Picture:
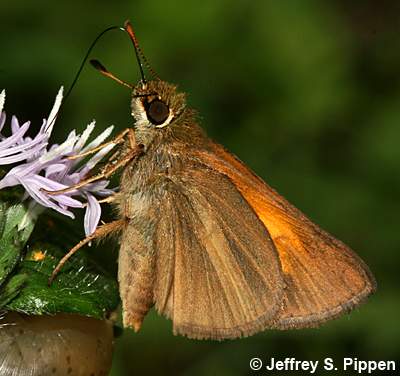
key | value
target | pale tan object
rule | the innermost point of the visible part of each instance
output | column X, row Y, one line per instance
column 59, row 345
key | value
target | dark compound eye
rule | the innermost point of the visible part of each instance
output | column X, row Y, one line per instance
column 157, row 112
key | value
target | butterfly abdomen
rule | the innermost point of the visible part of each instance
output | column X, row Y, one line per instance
column 136, row 277
column 141, row 185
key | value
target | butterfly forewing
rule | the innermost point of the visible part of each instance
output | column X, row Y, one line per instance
column 218, row 274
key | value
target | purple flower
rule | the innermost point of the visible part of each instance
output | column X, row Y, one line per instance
column 46, row 166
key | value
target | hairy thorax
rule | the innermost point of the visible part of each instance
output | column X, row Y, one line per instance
column 167, row 153
column 145, row 180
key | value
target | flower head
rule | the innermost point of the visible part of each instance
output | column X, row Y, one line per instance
column 48, row 167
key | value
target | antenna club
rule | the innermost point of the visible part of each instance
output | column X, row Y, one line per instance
column 140, row 57
column 129, row 29
column 96, row 64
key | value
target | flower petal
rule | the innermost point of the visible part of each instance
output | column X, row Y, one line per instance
column 28, row 154
column 10, row 180
column 60, row 150
column 52, row 185
column 33, row 187
column 54, row 169
column 29, row 143
column 14, row 138
column 54, row 112
column 14, row 124
column 84, row 137
column 95, row 159
column 99, row 139
column 2, row 121
column 16, row 173
column 2, row 100
column 92, row 214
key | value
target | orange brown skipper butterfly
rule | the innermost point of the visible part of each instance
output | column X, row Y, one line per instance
column 208, row 242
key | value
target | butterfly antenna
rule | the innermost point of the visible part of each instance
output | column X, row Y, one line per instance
column 87, row 56
column 105, row 72
column 51, row 121
column 140, row 57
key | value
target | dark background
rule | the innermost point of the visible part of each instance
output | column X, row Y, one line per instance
column 307, row 93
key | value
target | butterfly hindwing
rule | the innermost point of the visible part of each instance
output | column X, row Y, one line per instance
column 218, row 274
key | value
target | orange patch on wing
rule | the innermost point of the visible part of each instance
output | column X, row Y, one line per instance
column 275, row 220
column 276, row 225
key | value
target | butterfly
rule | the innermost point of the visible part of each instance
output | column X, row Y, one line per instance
column 206, row 241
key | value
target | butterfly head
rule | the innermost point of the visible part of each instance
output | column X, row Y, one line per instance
column 158, row 108
column 157, row 105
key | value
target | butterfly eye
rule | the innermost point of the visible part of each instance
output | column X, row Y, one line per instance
column 157, row 112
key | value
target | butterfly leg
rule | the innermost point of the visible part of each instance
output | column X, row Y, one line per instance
column 109, row 170
column 107, row 199
column 101, row 232
column 116, row 140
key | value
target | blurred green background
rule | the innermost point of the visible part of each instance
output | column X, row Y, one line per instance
column 307, row 93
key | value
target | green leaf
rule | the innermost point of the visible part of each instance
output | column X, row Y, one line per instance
column 79, row 288
column 3, row 208
column 12, row 288
column 16, row 226
column 19, row 222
